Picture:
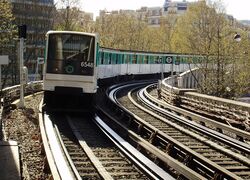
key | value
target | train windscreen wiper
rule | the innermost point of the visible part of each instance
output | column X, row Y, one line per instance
column 75, row 54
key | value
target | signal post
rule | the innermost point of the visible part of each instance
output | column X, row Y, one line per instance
column 22, row 36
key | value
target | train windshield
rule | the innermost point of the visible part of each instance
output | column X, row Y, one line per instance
column 71, row 54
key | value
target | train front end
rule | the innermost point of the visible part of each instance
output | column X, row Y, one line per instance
column 70, row 80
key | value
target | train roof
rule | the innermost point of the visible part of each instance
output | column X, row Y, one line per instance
column 71, row 32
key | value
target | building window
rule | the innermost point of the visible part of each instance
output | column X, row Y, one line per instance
column 182, row 8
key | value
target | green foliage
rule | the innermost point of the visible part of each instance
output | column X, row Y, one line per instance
column 127, row 32
column 67, row 19
column 70, row 18
column 8, row 33
column 7, row 29
column 205, row 30
column 120, row 31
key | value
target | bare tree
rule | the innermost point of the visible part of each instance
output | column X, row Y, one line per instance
column 70, row 17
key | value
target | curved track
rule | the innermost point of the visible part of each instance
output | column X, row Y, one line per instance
column 150, row 95
column 82, row 147
column 168, row 142
column 206, row 156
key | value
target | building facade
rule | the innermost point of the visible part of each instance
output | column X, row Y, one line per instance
column 176, row 7
column 37, row 16
column 153, row 15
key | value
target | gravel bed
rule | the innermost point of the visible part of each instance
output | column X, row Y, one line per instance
column 22, row 125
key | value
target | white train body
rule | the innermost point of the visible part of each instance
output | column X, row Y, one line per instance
column 86, row 84
column 70, row 62
column 115, row 62
column 70, row 74
column 108, row 71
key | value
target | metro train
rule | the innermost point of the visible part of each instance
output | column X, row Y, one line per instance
column 69, row 71
column 115, row 62
column 74, row 62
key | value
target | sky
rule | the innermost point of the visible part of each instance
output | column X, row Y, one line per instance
column 240, row 9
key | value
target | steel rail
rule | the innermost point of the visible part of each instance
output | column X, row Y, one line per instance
column 142, row 126
column 63, row 168
column 167, row 159
column 149, row 167
column 99, row 167
column 49, row 155
column 149, row 101
column 197, row 117
column 71, row 163
column 54, row 151
column 208, row 163
column 206, row 131
column 131, row 153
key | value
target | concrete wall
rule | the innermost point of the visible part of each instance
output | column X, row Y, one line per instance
column 235, row 113
column 232, row 112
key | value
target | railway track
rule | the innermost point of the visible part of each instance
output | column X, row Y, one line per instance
column 204, row 155
column 177, row 149
column 218, row 131
column 229, row 153
column 83, row 147
column 150, row 95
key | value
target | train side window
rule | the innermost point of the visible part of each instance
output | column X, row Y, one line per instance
column 119, row 58
column 182, row 60
column 102, row 57
column 177, row 60
column 116, row 60
column 128, row 59
column 113, row 58
column 122, row 58
column 151, row 60
column 140, row 59
column 163, row 60
column 110, row 58
column 134, row 59
column 146, row 60
column 125, row 58
column 107, row 58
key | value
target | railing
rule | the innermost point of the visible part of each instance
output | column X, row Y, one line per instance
column 12, row 93
column 176, row 85
column 189, row 79
column 181, row 91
